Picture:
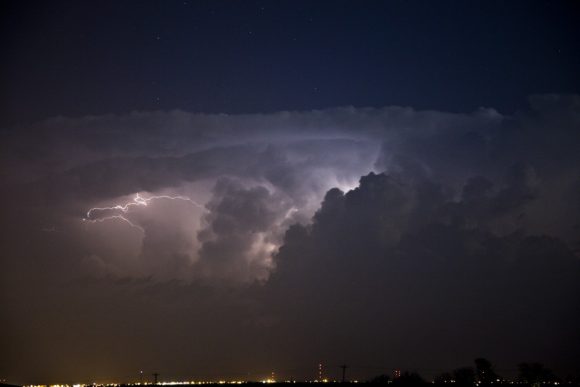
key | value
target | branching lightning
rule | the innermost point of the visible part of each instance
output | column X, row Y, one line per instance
column 120, row 211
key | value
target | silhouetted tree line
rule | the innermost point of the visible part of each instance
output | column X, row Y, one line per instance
column 483, row 374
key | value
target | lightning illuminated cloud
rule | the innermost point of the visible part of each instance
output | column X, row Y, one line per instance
column 244, row 216
column 165, row 246
column 232, row 237
column 279, row 176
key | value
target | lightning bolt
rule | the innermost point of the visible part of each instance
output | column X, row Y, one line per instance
column 120, row 210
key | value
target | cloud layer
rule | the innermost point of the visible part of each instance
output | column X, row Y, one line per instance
column 458, row 219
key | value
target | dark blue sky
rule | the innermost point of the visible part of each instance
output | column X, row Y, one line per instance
column 71, row 58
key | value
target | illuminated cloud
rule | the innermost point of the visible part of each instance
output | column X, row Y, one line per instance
column 465, row 223
column 280, row 166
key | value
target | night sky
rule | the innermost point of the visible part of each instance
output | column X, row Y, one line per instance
column 222, row 190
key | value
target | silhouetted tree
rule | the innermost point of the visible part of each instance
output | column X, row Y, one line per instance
column 535, row 374
column 484, row 371
column 380, row 379
column 409, row 379
column 464, row 376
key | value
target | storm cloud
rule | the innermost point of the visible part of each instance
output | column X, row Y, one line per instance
column 455, row 218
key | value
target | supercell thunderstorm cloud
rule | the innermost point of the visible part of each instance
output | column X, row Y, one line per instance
column 385, row 218
column 211, row 190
